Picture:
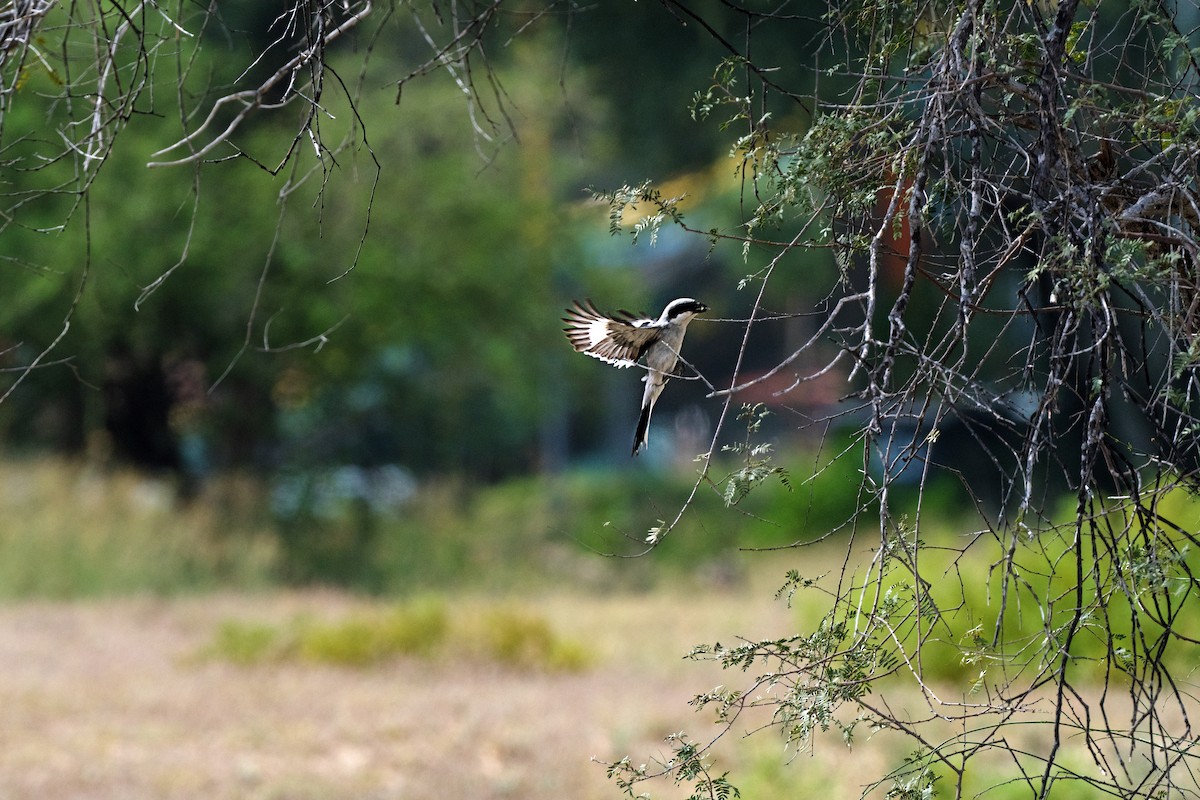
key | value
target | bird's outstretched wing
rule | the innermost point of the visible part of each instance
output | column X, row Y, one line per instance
column 619, row 339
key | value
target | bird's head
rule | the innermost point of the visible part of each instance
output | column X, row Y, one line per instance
column 682, row 307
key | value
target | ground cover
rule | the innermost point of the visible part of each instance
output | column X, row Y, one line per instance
column 121, row 698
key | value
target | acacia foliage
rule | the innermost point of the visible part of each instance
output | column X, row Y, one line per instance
column 1009, row 191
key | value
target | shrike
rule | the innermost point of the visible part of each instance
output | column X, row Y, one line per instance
column 621, row 339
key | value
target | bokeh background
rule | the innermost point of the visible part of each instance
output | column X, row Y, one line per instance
column 303, row 492
column 312, row 498
column 338, row 360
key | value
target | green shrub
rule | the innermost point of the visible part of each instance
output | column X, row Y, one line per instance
column 245, row 642
column 521, row 639
column 73, row 530
column 424, row 628
column 350, row 642
column 77, row 531
column 416, row 628
column 365, row 639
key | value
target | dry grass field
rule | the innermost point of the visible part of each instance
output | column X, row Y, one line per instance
column 158, row 686
column 116, row 694
column 115, row 699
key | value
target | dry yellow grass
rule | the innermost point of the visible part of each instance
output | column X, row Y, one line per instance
column 108, row 699
column 113, row 698
column 116, row 699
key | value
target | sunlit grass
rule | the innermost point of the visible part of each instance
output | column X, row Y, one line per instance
column 415, row 629
column 71, row 530
column 509, row 635
column 506, row 580
column 74, row 530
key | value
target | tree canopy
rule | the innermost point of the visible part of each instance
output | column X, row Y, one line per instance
column 1010, row 193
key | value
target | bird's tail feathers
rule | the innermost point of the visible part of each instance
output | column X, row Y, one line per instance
column 643, row 428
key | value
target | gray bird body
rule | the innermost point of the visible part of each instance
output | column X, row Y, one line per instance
column 621, row 339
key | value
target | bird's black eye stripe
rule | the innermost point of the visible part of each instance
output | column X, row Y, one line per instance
column 692, row 306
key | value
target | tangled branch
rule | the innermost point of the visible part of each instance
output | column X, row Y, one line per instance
column 1011, row 195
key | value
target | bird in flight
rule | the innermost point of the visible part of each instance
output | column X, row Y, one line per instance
column 622, row 338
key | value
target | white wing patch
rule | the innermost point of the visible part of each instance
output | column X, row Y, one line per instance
column 597, row 332
column 618, row 339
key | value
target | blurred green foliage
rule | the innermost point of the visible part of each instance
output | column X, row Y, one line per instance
column 426, row 628
column 417, row 628
column 425, row 269
column 392, row 311
column 86, row 532
column 75, row 531
column 442, row 331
